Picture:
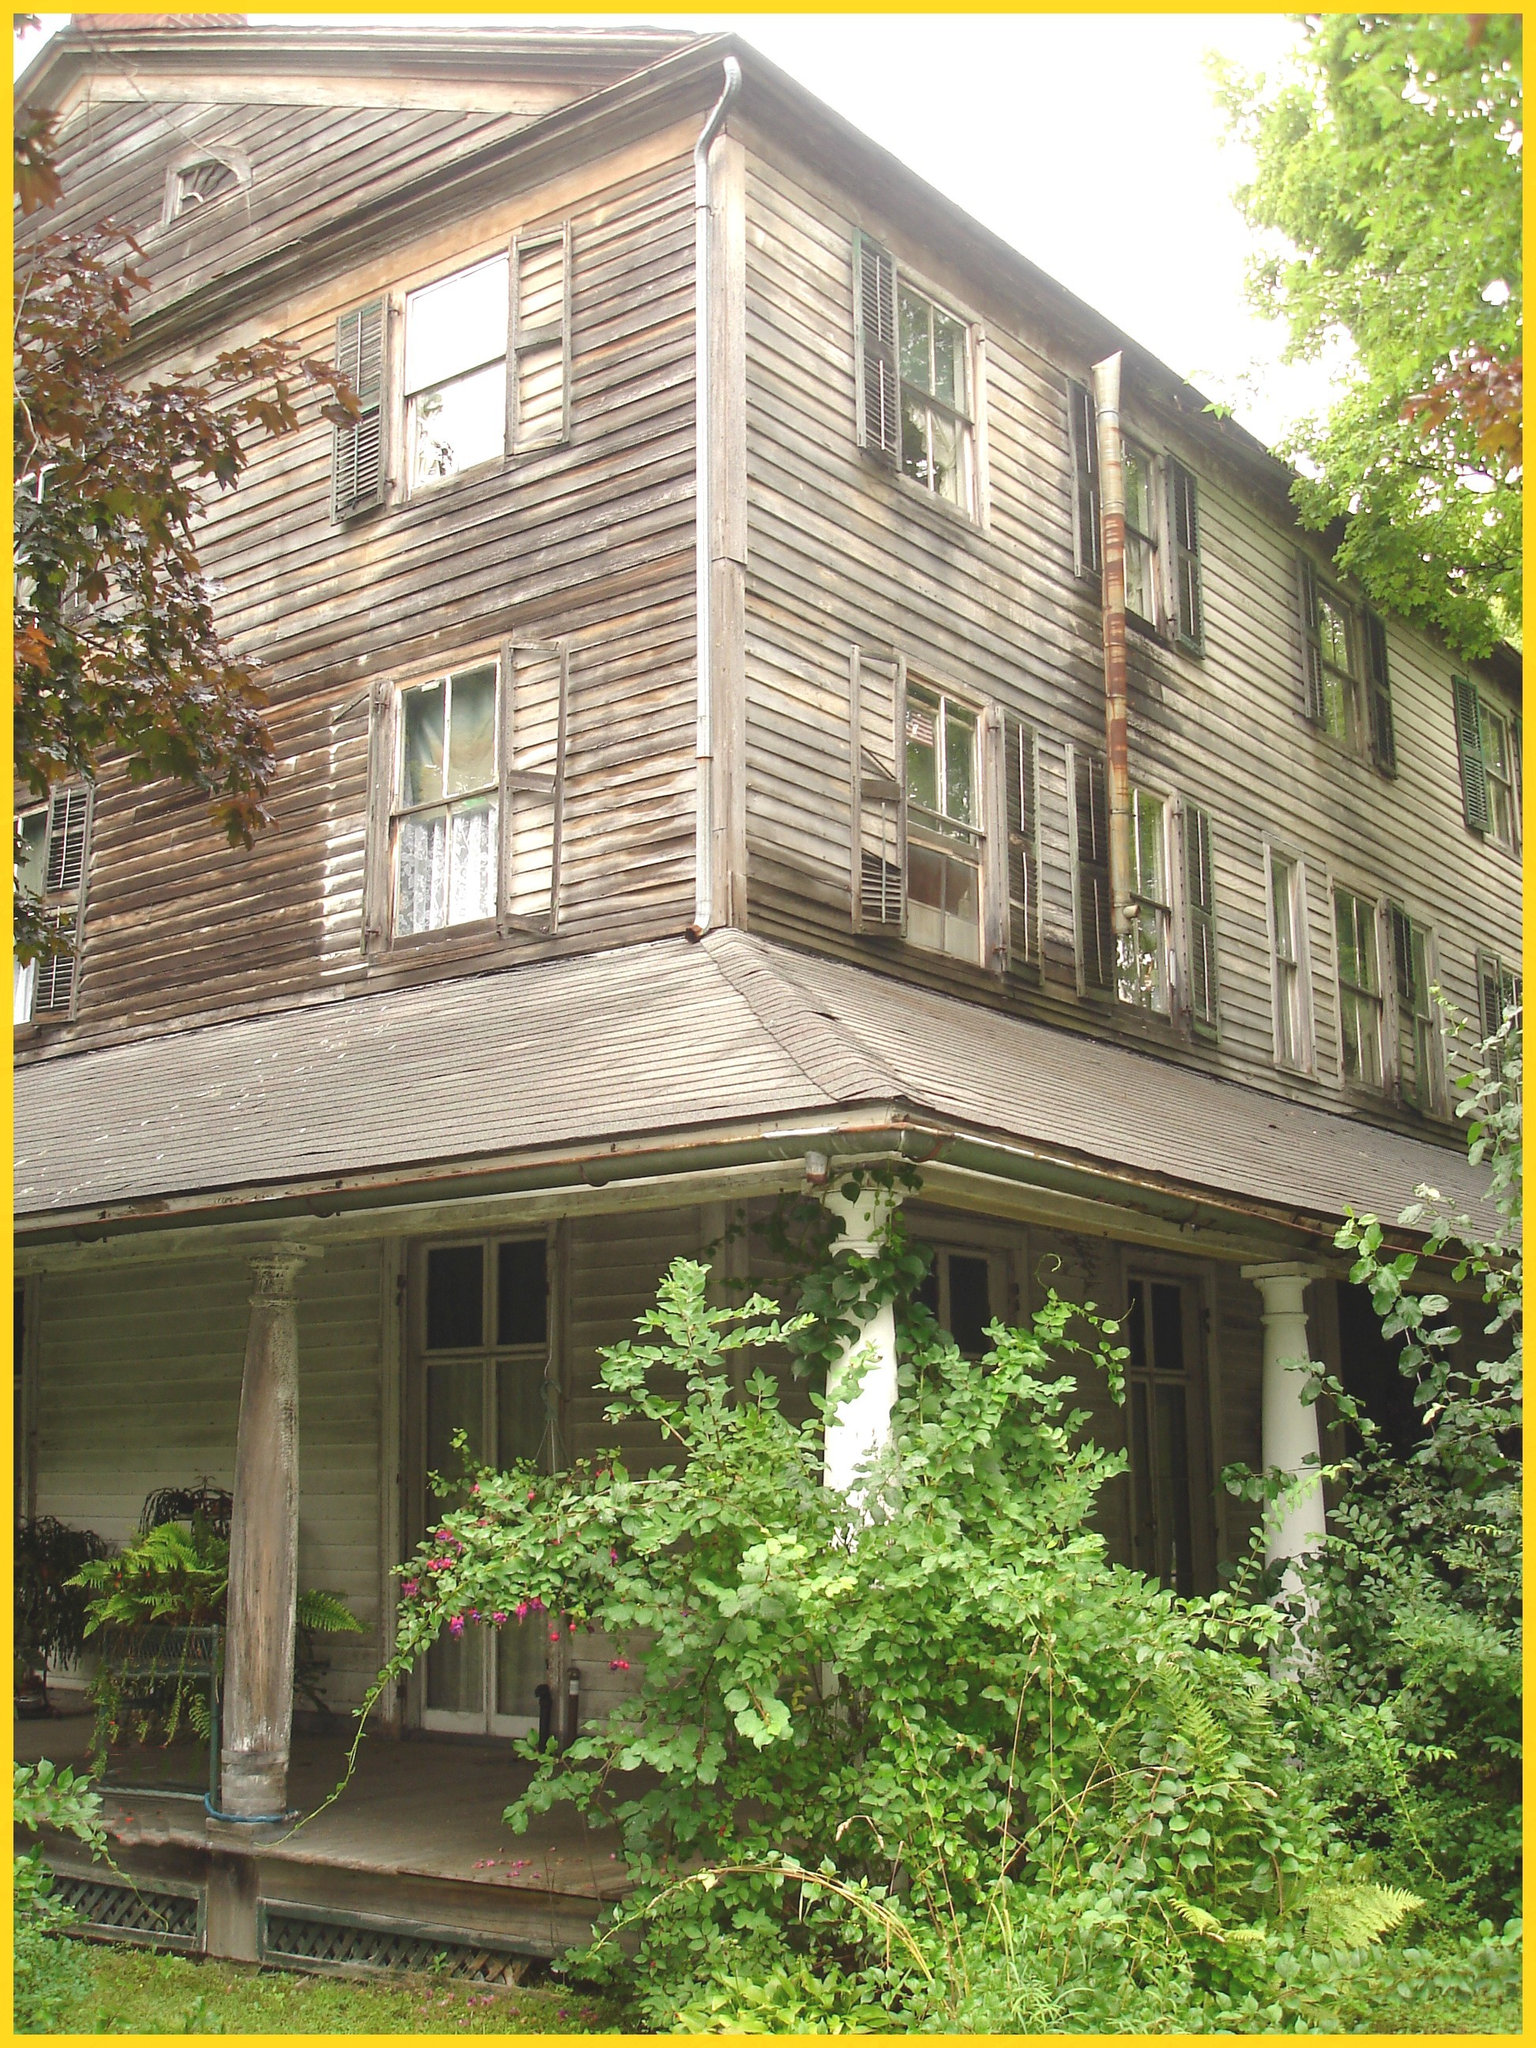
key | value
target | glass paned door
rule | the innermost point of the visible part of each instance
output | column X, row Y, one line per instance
column 483, row 1331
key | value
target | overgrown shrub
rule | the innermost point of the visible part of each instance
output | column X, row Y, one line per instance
column 51, row 1978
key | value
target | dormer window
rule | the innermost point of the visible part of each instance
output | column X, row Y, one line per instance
column 202, row 181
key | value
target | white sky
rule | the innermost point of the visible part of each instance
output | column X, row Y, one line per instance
column 1090, row 142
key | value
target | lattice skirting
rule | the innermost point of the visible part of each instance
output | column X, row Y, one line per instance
column 117, row 1911
column 312, row 1940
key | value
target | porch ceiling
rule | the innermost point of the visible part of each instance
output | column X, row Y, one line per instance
column 612, row 1050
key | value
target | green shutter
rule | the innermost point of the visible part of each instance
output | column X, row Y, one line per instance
column 1200, row 909
column 1023, row 878
column 1083, row 439
column 64, row 866
column 1095, row 923
column 1379, row 684
column 1311, row 643
column 1189, row 602
column 1469, row 745
column 357, row 449
column 874, row 329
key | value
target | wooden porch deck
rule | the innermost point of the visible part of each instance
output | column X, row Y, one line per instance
column 415, row 1849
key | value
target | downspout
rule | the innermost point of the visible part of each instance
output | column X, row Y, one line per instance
column 704, row 514
column 1106, row 402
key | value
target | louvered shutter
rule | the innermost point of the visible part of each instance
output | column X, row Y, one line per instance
column 67, row 818
column 1022, row 850
column 1200, row 912
column 69, row 824
column 533, row 728
column 1490, row 994
column 1095, row 921
column 1406, row 985
column 1469, row 745
column 879, row 389
column 877, row 694
column 1083, row 438
column 539, row 388
column 357, row 449
column 1379, row 685
column 1188, row 596
column 1311, row 642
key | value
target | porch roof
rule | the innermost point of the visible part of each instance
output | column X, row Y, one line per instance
column 445, row 1079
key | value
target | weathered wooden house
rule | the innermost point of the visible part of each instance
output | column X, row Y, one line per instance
column 698, row 776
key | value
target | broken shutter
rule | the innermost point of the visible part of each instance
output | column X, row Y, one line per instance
column 1200, row 912
column 1408, row 994
column 1379, row 685
column 1082, row 434
column 532, row 785
column 1095, row 923
column 1022, row 849
column 69, row 826
column 1188, row 599
column 357, row 449
column 1311, row 642
column 877, row 694
column 539, row 388
column 879, row 390
column 1469, row 745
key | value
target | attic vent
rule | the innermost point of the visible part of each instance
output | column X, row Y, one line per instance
column 201, row 183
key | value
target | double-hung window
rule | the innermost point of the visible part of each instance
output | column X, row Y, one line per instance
column 944, row 824
column 1144, row 953
column 1420, row 1061
column 916, row 379
column 456, row 373
column 1348, row 691
column 53, row 857
column 1287, row 934
column 1141, row 562
column 1360, row 1000
column 1486, row 744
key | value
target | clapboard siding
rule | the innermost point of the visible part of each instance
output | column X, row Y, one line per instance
column 841, row 553
column 590, row 542
column 139, row 1388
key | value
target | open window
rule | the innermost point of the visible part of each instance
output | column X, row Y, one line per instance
column 1144, row 960
column 1290, row 979
column 945, row 824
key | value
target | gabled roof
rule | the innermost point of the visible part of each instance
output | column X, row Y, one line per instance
column 425, row 1087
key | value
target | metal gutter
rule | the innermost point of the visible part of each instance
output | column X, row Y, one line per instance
column 1106, row 401
column 704, row 511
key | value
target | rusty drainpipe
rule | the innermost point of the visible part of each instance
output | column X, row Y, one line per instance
column 1106, row 404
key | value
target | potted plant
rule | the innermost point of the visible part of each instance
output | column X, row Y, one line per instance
column 51, row 1604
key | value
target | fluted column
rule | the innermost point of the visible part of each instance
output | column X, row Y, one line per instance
column 263, row 1549
column 1291, row 1444
column 861, row 1383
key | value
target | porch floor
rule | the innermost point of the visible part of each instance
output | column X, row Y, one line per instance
column 425, row 1807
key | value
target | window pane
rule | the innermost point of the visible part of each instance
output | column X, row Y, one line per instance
column 1495, row 757
column 949, row 360
column 455, row 1297
column 472, row 861
column 472, row 742
column 1138, row 491
column 970, row 1307
column 1135, row 1325
column 959, row 766
column 457, row 425
column 1148, row 847
column 1344, row 934
column 519, row 1410
column 1167, row 1327
column 1175, row 1564
column 925, row 882
column 1280, row 904
column 456, row 325
column 1138, row 577
column 914, row 441
column 915, row 368
column 1336, row 705
column 945, row 443
column 522, row 1310
column 34, row 840
column 421, row 765
column 520, row 1647
column 421, row 874
column 1333, row 629
column 922, row 751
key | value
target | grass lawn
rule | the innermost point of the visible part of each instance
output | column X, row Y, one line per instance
column 134, row 1991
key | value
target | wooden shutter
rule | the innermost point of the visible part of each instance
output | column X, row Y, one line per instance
column 1022, row 843
column 1095, row 921
column 1406, row 989
column 64, row 869
column 1378, row 684
column 533, row 742
column 378, row 863
column 1469, row 745
column 879, row 388
column 357, row 450
column 1184, row 524
column 539, row 386
column 877, row 697
column 1083, row 438
column 1200, row 915
column 1311, row 642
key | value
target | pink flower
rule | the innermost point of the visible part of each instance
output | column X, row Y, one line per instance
column 619, row 1664
column 456, row 1625
column 476, row 1487
column 410, row 1586
column 554, row 1635
column 521, row 1610
column 613, row 1557
column 498, row 1617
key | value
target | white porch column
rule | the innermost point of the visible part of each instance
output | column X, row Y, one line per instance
column 1290, row 1433
column 263, row 1549
column 858, row 1422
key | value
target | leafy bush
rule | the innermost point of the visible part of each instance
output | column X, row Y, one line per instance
column 51, row 1975
column 946, row 1756
column 50, row 1604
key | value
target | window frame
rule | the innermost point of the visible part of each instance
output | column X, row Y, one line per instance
column 1299, row 985
column 1496, row 822
column 1149, row 541
column 1364, row 682
column 412, row 486
column 1350, row 995
column 940, row 832
column 880, row 389
column 1129, row 947
column 1415, row 1012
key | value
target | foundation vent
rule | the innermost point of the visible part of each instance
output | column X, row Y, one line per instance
column 125, row 1912
column 315, row 1941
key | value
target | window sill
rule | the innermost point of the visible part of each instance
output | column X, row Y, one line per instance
column 442, row 939
column 915, row 495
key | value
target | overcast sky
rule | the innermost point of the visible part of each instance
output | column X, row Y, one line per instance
column 1090, row 142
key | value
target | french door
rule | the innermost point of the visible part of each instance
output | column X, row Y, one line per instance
column 481, row 1341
